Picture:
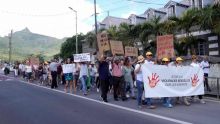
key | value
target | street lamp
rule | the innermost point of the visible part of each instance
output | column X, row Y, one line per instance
column 76, row 29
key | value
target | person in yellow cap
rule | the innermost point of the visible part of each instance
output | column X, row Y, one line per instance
column 148, row 59
column 166, row 100
column 165, row 61
column 178, row 63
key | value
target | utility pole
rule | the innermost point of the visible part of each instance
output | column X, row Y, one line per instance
column 10, row 38
column 76, row 30
column 96, row 25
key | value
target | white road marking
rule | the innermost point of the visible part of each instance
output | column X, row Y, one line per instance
column 113, row 105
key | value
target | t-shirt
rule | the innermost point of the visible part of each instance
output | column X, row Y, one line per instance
column 194, row 64
column 83, row 70
column 205, row 66
column 28, row 68
column 139, row 75
column 127, row 72
column 117, row 70
column 92, row 71
column 68, row 68
column 148, row 62
column 53, row 66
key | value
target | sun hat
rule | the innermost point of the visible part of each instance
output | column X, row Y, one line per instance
column 179, row 59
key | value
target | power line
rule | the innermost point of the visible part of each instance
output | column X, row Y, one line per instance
column 136, row 1
column 35, row 15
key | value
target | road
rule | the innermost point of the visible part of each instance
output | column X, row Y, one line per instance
column 22, row 103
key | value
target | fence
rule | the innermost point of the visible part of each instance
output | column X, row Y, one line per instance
column 214, row 86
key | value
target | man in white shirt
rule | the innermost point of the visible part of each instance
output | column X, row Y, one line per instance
column 205, row 66
column 53, row 69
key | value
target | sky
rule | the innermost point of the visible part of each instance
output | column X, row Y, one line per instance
column 54, row 18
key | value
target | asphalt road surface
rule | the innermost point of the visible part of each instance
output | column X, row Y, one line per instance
column 22, row 103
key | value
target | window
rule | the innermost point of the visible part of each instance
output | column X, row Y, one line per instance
column 171, row 11
column 193, row 4
column 201, row 48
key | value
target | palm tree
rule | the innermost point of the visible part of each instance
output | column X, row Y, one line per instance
column 187, row 23
column 112, row 33
column 91, row 39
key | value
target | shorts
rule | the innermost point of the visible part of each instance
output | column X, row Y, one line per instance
column 68, row 77
column 29, row 75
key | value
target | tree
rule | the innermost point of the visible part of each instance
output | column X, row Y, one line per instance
column 68, row 48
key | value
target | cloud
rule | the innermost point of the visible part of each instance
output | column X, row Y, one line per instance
column 48, row 17
column 126, row 15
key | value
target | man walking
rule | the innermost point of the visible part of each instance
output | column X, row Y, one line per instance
column 103, row 70
column 53, row 69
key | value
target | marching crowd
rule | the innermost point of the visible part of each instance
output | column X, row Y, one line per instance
column 120, row 75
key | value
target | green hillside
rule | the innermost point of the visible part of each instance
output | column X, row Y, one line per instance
column 25, row 43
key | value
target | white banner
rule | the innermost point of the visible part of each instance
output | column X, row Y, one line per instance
column 172, row 81
column 84, row 57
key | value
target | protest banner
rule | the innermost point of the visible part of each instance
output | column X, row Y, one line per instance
column 34, row 61
column 165, row 47
column 116, row 47
column 103, row 42
column 131, row 51
column 84, row 57
column 172, row 81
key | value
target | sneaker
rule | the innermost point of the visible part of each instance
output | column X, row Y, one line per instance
column 97, row 90
column 168, row 105
column 127, row 95
column 151, row 107
column 202, row 101
column 186, row 102
column 116, row 99
column 140, row 106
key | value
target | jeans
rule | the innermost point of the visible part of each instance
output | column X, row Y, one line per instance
column 92, row 80
column 206, row 84
column 140, row 88
column 83, row 83
column 130, row 88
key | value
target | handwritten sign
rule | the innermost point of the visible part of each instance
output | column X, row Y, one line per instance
column 84, row 57
column 116, row 47
column 34, row 61
column 165, row 47
column 103, row 43
column 131, row 51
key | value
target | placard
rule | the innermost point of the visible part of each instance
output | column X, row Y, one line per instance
column 131, row 51
column 116, row 47
column 84, row 57
column 103, row 42
column 165, row 47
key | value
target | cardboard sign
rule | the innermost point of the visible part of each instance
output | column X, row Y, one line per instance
column 116, row 47
column 131, row 51
column 34, row 61
column 84, row 57
column 165, row 47
column 103, row 43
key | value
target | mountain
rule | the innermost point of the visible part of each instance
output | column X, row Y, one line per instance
column 25, row 43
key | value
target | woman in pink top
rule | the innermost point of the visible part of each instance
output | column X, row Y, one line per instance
column 118, row 79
